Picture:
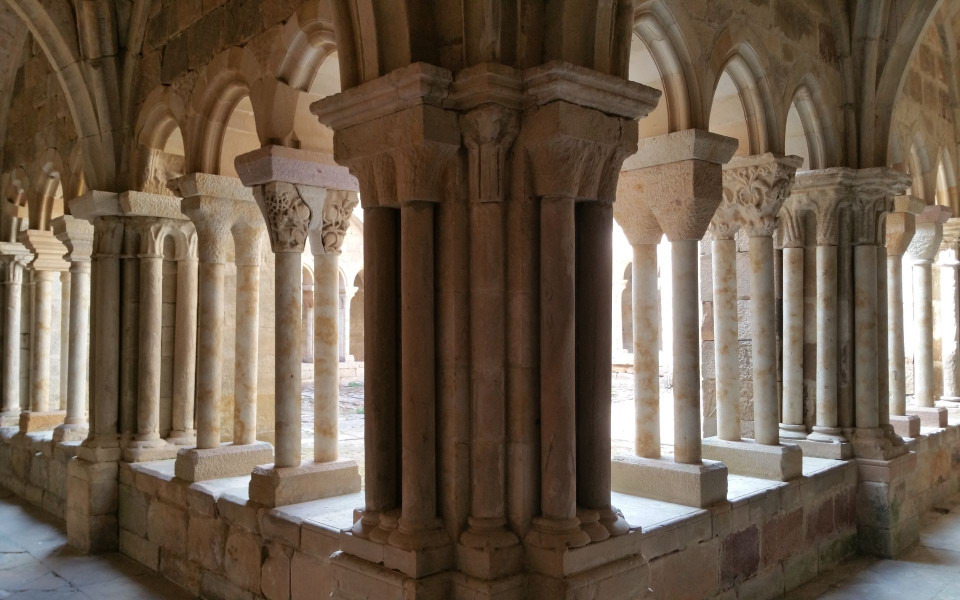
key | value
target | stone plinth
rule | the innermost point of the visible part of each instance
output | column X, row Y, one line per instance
column 699, row 485
column 887, row 515
column 226, row 460
column 31, row 421
column 906, row 426
column 835, row 449
column 930, row 416
column 282, row 486
column 92, row 500
column 783, row 462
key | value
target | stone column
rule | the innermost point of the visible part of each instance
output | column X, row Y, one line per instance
column 308, row 322
column 216, row 205
column 246, row 243
column 873, row 190
column 77, row 236
column 644, row 234
column 899, row 232
column 283, row 183
column 679, row 182
column 46, row 267
column 949, row 261
column 726, row 340
column 922, row 251
column 182, row 432
column 791, row 229
column 14, row 256
column 756, row 188
column 64, row 336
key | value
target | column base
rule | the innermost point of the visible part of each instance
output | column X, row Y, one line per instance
column 489, row 551
column 783, row 462
column 148, row 450
column 226, row 460
column 10, row 419
column 183, row 439
column 793, row 432
column 567, row 562
column 358, row 579
column 934, row 416
column 70, row 432
column 827, row 434
column 837, row 450
column 669, row 481
column 873, row 443
column 31, row 421
column 625, row 579
column 271, row 486
column 906, row 426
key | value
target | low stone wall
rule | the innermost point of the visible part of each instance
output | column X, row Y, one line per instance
column 33, row 467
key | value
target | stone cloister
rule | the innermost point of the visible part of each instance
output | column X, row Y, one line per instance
column 644, row 298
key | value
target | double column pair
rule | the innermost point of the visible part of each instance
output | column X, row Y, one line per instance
column 754, row 191
column 292, row 190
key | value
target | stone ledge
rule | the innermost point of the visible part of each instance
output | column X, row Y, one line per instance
column 663, row 479
column 272, row 487
column 746, row 457
column 932, row 417
column 906, row 426
column 227, row 460
column 832, row 450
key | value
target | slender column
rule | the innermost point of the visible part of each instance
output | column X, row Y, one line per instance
column 686, row 352
column 151, row 307
column 865, row 326
column 326, row 386
column 725, row 335
column 287, row 360
column 646, row 344
column 129, row 328
column 558, row 497
column 949, row 261
column 899, row 230
column 792, row 426
column 64, row 336
column 14, row 263
column 246, row 239
column 79, row 343
column 182, row 431
column 759, row 185
column 308, row 323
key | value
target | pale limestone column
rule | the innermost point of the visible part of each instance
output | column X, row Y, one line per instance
column 65, row 280
column 152, row 236
column 46, row 266
column 183, row 432
column 949, row 261
column 307, row 328
column 899, row 230
column 129, row 332
column 922, row 251
column 644, row 234
column 686, row 352
column 246, row 242
column 14, row 256
column 283, row 183
column 791, row 221
column 759, row 185
column 77, row 235
column 726, row 340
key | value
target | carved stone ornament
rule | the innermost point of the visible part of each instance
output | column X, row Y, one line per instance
column 286, row 214
column 337, row 208
column 791, row 225
column 758, row 186
column 488, row 134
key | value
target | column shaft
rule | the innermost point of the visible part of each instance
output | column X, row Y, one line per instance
column 793, row 339
column 246, row 348
column 42, row 325
column 726, row 339
column 287, row 406
column 764, row 341
column 418, row 360
column 646, row 344
column 11, row 340
column 185, row 357
column 865, row 327
column 64, row 336
column 104, row 385
column 210, row 349
column 129, row 327
column 326, row 365
column 686, row 353
column 923, row 322
column 79, row 343
column 151, row 307
column 594, row 285
column 950, row 317
column 826, row 340
column 895, row 366
column 883, row 334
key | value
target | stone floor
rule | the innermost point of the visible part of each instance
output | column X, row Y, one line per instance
column 37, row 564
column 929, row 570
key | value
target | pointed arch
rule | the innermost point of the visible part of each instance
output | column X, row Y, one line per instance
column 818, row 133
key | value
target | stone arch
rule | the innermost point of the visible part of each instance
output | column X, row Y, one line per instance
column 15, row 190
column 225, row 82
column 741, row 64
column 657, row 29
column 46, row 201
column 159, row 148
column 808, row 124
column 946, row 190
column 921, row 167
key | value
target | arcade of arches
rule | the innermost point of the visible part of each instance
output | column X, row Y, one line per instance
column 363, row 299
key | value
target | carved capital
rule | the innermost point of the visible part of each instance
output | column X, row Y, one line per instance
column 873, row 191
column 488, row 133
column 334, row 219
column 929, row 234
column 77, row 235
column 107, row 237
column 758, row 186
column 791, row 225
column 153, row 234
column 726, row 222
column 286, row 214
column 632, row 212
column 900, row 229
column 15, row 256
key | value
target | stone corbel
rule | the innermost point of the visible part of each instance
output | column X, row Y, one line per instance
column 758, row 186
